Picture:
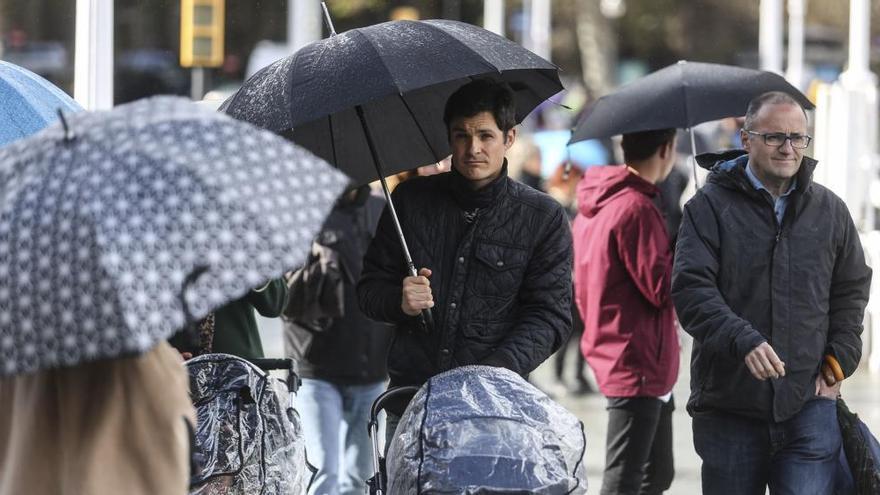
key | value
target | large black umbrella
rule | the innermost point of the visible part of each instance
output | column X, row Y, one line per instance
column 392, row 79
column 109, row 225
column 680, row 96
column 370, row 100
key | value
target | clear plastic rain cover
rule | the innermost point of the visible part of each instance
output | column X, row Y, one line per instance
column 249, row 439
column 485, row 430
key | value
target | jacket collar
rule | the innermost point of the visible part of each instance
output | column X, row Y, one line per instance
column 727, row 169
column 484, row 197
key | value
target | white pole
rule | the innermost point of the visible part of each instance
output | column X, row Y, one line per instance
column 859, row 36
column 493, row 16
column 303, row 23
column 93, row 59
column 539, row 27
column 770, row 35
column 795, row 69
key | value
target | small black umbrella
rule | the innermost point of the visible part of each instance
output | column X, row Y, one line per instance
column 370, row 100
column 862, row 451
column 108, row 225
column 680, row 96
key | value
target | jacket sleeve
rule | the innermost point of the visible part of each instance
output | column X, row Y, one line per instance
column 850, row 288
column 544, row 320
column 271, row 299
column 380, row 286
column 700, row 306
column 643, row 248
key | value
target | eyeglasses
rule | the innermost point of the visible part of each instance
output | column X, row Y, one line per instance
column 799, row 141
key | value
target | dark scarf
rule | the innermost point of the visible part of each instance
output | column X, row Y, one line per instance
column 469, row 199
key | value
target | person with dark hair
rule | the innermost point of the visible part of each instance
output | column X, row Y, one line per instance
column 495, row 257
column 340, row 353
column 623, row 271
column 770, row 280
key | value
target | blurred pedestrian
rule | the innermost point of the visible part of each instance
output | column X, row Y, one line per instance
column 562, row 186
column 770, row 280
column 340, row 353
column 494, row 257
column 232, row 328
column 623, row 269
column 105, row 427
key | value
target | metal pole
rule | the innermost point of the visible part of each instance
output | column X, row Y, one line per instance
column 770, row 35
column 795, row 70
column 539, row 27
column 859, row 36
column 493, row 16
column 197, row 83
column 303, row 23
column 93, row 59
column 694, row 158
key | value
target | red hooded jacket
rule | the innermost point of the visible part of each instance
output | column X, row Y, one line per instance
column 623, row 271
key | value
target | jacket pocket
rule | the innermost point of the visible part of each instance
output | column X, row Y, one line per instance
column 484, row 332
column 500, row 258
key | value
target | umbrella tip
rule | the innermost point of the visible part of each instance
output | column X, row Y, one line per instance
column 68, row 133
column 327, row 19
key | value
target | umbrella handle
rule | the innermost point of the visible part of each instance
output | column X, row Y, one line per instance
column 427, row 320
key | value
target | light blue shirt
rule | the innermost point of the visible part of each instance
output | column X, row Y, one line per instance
column 780, row 203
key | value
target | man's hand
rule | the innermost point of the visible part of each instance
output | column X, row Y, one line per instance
column 826, row 388
column 763, row 363
column 417, row 293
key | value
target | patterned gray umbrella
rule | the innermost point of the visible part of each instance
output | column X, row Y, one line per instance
column 104, row 223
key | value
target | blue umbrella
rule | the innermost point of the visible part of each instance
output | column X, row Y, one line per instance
column 30, row 103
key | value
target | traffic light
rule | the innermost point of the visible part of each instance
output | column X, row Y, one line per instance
column 202, row 24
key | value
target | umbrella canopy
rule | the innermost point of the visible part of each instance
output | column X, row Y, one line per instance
column 30, row 102
column 107, row 229
column 679, row 96
column 401, row 74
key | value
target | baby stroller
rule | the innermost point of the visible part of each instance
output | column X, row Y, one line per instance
column 249, row 438
column 480, row 430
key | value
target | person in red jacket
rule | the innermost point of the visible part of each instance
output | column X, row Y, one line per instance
column 623, row 264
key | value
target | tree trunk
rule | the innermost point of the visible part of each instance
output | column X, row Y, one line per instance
column 598, row 48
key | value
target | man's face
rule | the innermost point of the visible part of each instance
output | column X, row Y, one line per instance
column 478, row 147
column 777, row 162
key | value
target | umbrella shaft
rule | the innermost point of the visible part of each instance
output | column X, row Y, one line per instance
column 375, row 156
column 694, row 157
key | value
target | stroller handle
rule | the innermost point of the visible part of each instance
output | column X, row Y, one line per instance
column 377, row 482
column 269, row 364
column 392, row 393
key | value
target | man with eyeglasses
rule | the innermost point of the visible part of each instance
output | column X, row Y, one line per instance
column 771, row 281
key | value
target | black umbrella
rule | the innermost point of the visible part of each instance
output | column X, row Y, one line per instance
column 370, row 100
column 680, row 96
column 110, row 223
column 862, row 451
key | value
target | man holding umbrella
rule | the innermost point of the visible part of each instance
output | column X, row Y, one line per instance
column 495, row 256
column 770, row 280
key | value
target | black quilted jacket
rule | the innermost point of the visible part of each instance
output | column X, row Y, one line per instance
column 501, row 281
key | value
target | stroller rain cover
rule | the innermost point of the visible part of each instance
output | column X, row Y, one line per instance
column 485, row 430
column 248, row 439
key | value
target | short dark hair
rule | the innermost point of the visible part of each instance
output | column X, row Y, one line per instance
column 639, row 146
column 769, row 98
column 482, row 95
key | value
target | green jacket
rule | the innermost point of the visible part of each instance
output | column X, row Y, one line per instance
column 235, row 326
